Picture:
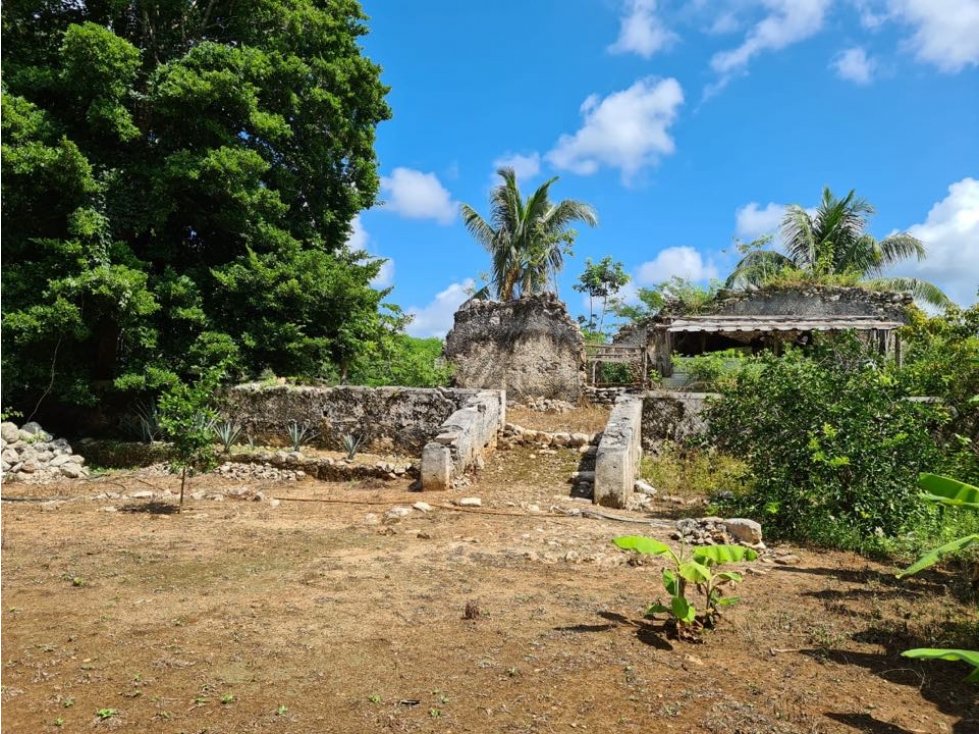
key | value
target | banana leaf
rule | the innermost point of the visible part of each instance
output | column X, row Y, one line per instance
column 948, row 491
column 930, row 653
column 642, row 544
column 936, row 554
column 683, row 610
column 715, row 555
column 694, row 572
column 671, row 582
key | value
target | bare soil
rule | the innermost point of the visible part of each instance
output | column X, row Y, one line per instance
column 314, row 617
column 583, row 419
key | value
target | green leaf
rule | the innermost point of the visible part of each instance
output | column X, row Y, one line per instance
column 716, row 555
column 936, row 554
column 683, row 610
column 726, row 601
column 931, row 653
column 729, row 577
column 671, row 582
column 642, row 544
column 656, row 608
column 949, row 491
column 695, row 572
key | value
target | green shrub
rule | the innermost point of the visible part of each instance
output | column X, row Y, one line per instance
column 404, row 360
column 676, row 469
column 833, row 446
column 712, row 371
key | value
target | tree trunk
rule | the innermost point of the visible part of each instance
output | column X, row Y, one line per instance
column 183, row 483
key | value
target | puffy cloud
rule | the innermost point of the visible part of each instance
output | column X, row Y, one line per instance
column 641, row 31
column 752, row 221
column 854, row 65
column 417, row 195
column 436, row 318
column 360, row 240
column 946, row 32
column 628, row 130
column 950, row 233
column 786, row 22
column 681, row 262
column 525, row 166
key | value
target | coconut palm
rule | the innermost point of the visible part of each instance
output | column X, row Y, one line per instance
column 526, row 239
column 833, row 242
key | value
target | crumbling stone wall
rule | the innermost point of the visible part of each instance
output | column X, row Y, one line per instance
column 812, row 301
column 619, row 453
column 671, row 415
column 463, row 440
column 387, row 418
column 529, row 347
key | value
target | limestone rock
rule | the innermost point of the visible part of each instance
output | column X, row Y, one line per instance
column 469, row 502
column 744, row 530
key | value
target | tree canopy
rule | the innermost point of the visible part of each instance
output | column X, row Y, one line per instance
column 526, row 238
column 179, row 180
column 833, row 242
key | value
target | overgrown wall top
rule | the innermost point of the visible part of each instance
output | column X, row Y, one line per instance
column 812, row 301
column 529, row 347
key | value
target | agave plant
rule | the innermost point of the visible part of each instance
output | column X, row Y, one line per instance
column 228, row 433
column 952, row 493
column 351, row 445
column 299, row 434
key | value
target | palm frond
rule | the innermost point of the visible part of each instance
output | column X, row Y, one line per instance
column 756, row 268
column 478, row 227
column 920, row 289
column 799, row 237
column 901, row 246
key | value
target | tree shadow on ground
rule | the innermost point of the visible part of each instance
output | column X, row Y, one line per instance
column 152, row 508
column 940, row 683
column 648, row 633
column 869, row 725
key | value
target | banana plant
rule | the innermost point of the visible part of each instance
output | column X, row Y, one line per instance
column 696, row 568
column 953, row 493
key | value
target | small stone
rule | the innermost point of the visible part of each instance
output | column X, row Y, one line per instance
column 110, row 508
column 422, row 535
column 469, row 502
column 9, row 432
column 273, row 503
column 533, row 508
column 143, row 494
column 572, row 557
column 422, row 507
column 644, row 487
column 788, row 559
column 371, row 519
column 743, row 530
column 58, row 460
column 398, row 512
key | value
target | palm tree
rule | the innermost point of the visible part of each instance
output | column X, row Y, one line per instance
column 833, row 242
column 526, row 239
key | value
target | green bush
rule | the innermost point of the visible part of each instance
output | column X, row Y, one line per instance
column 406, row 361
column 711, row 371
column 832, row 445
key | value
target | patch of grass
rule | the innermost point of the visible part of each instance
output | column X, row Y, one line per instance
column 692, row 472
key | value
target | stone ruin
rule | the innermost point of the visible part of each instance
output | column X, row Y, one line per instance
column 529, row 347
column 30, row 453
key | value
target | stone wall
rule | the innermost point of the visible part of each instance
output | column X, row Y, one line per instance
column 812, row 301
column 669, row 415
column 529, row 347
column 619, row 453
column 396, row 419
column 463, row 440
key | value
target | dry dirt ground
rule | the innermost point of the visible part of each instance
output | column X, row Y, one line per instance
column 311, row 616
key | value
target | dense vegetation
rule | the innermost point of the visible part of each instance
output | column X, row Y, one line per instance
column 834, row 445
column 178, row 185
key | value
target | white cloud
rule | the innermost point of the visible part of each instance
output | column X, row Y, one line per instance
column 360, row 240
column 946, row 32
column 525, row 166
column 752, row 221
column 854, row 65
column 436, row 318
column 786, row 22
column 628, row 130
column 681, row 262
column 417, row 195
column 641, row 31
column 951, row 235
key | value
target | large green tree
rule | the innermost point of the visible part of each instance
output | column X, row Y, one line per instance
column 833, row 242
column 527, row 239
column 179, row 180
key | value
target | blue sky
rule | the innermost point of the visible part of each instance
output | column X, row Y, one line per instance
column 686, row 124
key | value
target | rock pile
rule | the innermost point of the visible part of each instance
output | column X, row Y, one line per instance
column 514, row 435
column 29, row 453
column 604, row 395
column 548, row 405
column 718, row 531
